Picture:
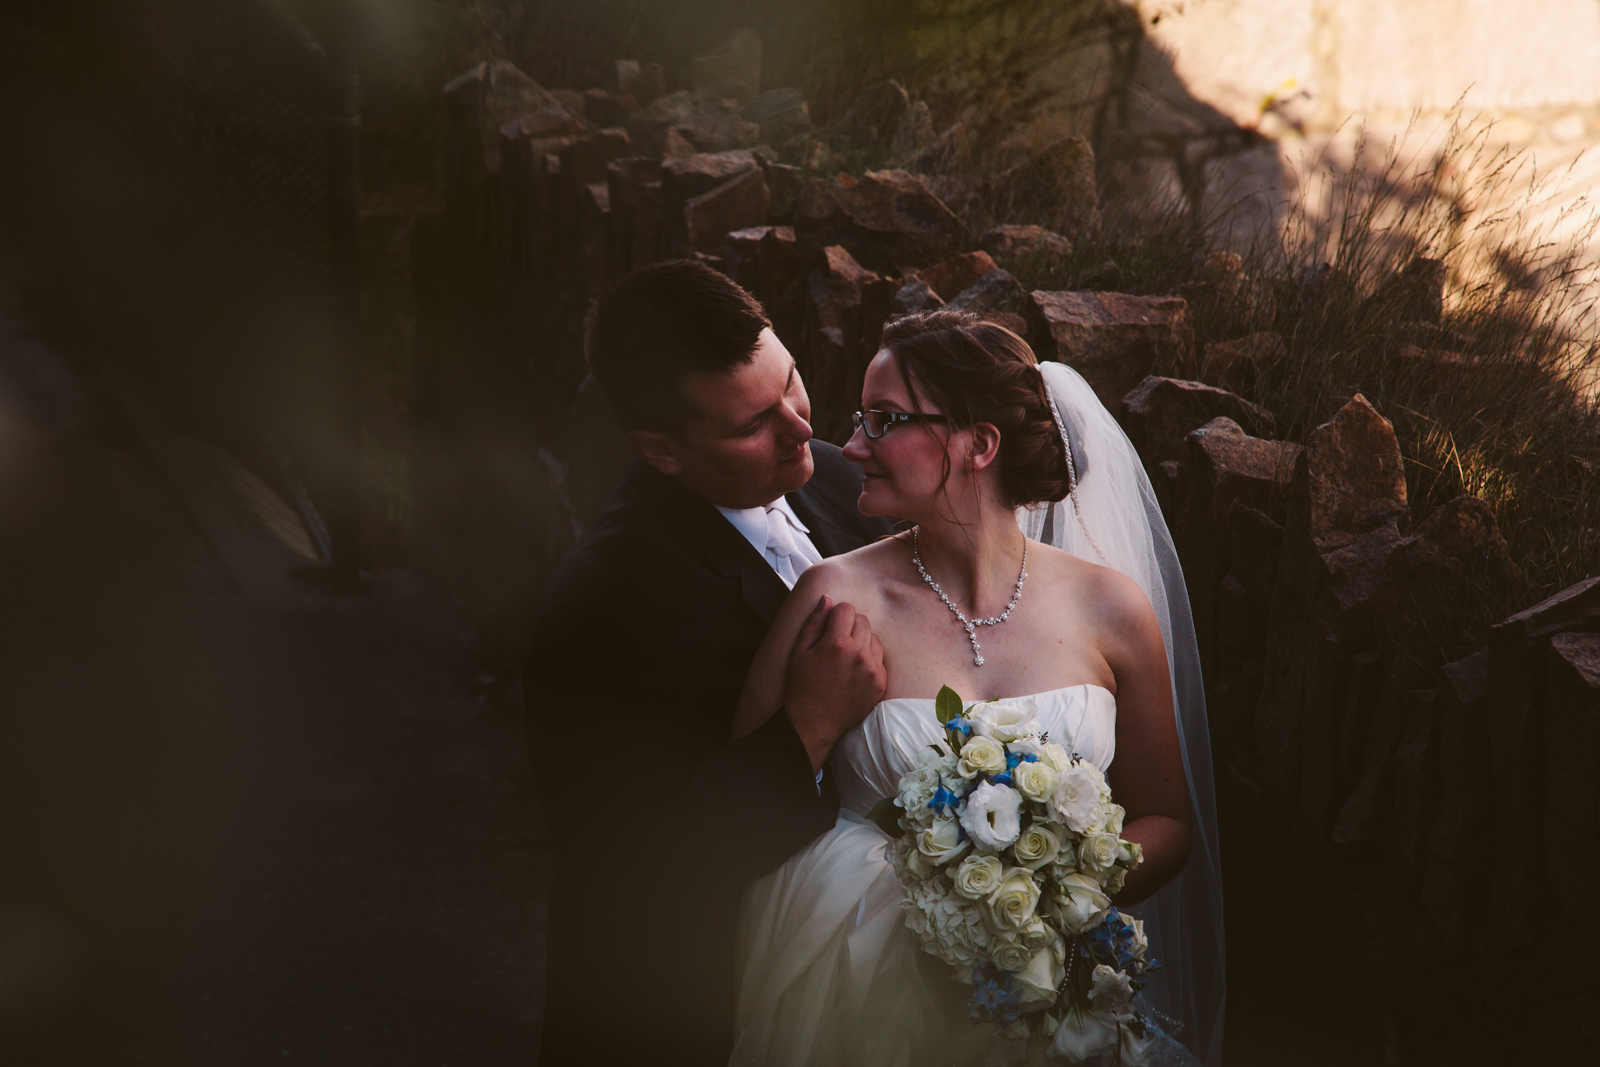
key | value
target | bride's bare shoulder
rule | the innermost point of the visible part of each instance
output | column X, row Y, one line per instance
column 1111, row 597
column 853, row 576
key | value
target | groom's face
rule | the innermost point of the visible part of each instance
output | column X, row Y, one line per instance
column 749, row 444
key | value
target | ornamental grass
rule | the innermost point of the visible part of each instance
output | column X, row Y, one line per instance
column 1495, row 396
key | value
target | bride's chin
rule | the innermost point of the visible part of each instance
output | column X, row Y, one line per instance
column 874, row 503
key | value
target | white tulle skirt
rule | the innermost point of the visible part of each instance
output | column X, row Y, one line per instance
column 829, row 974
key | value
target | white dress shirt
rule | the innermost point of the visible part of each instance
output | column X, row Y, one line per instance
column 777, row 533
column 783, row 540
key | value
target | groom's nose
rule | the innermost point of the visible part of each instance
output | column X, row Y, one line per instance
column 795, row 427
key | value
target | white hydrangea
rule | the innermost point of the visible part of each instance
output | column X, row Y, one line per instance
column 948, row 925
column 920, row 783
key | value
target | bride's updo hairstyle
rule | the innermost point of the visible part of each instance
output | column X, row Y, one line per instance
column 977, row 371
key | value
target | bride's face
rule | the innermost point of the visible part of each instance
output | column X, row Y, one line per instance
column 903, row 471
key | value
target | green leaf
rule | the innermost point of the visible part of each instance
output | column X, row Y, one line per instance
column 947, row 705
column 886, row 813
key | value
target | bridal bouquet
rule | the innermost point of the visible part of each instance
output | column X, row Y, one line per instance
column 1009, row 848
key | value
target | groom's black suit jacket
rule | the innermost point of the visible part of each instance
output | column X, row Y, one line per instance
column 657, row 820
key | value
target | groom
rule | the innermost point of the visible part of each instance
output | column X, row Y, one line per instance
column 639, row 652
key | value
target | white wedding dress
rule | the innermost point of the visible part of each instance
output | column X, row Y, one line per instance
column 829, row 974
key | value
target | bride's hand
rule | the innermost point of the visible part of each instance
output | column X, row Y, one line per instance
column 835, row 676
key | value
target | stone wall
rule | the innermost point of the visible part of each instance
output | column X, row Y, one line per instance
column 1455, row 783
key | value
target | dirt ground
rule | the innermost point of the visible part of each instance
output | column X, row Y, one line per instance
column 229, row 835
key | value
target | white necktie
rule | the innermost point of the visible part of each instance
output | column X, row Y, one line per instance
column 786, row 556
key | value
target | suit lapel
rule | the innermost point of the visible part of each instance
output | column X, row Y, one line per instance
column 715, row 538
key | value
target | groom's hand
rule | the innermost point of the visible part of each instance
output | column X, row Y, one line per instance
column 835, row 676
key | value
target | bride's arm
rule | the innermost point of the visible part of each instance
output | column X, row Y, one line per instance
column 820, row 663
column 1146, row 777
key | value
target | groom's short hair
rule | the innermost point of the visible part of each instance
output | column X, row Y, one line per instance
column 661, row 323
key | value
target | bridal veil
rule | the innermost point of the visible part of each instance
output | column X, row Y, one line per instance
column 1112, row 518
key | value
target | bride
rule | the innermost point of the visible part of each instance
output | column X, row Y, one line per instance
column 1035, row 564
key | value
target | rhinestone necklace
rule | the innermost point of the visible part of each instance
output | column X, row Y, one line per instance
column 971, row 625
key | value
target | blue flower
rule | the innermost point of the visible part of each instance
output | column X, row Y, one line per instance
column 1016, row 759
column 943, row 799
column 993, row 999
column 960, row 725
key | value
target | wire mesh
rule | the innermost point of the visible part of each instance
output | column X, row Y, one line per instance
column 230, row 109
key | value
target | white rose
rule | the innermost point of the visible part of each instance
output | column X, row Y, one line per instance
column 1080, row 904
column 1036, row 846
column 1035, row 780
column 981, row 755
column 1130, row 854
column 1005, row 720
column 1009, row 954
column 1077, row 797
column 993, row 817
column 1048, row 753
column 1084, row 1034
column 1111, row 991
column 949, row 926
column 1115, row 878
column 942, row 842
column 1111, row 819
column 1097, row 852
column 1011, row 905
column 909, row 864
column 1043, row 974
column 1037, row 934
column 1066, row 861
column 978, row 876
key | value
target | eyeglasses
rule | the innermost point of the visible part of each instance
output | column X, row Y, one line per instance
column 876, row 423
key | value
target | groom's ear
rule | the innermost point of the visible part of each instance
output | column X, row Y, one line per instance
column 985, row 445
column 658, row 449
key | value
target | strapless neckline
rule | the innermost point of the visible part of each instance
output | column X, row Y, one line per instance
column 1028, row 696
